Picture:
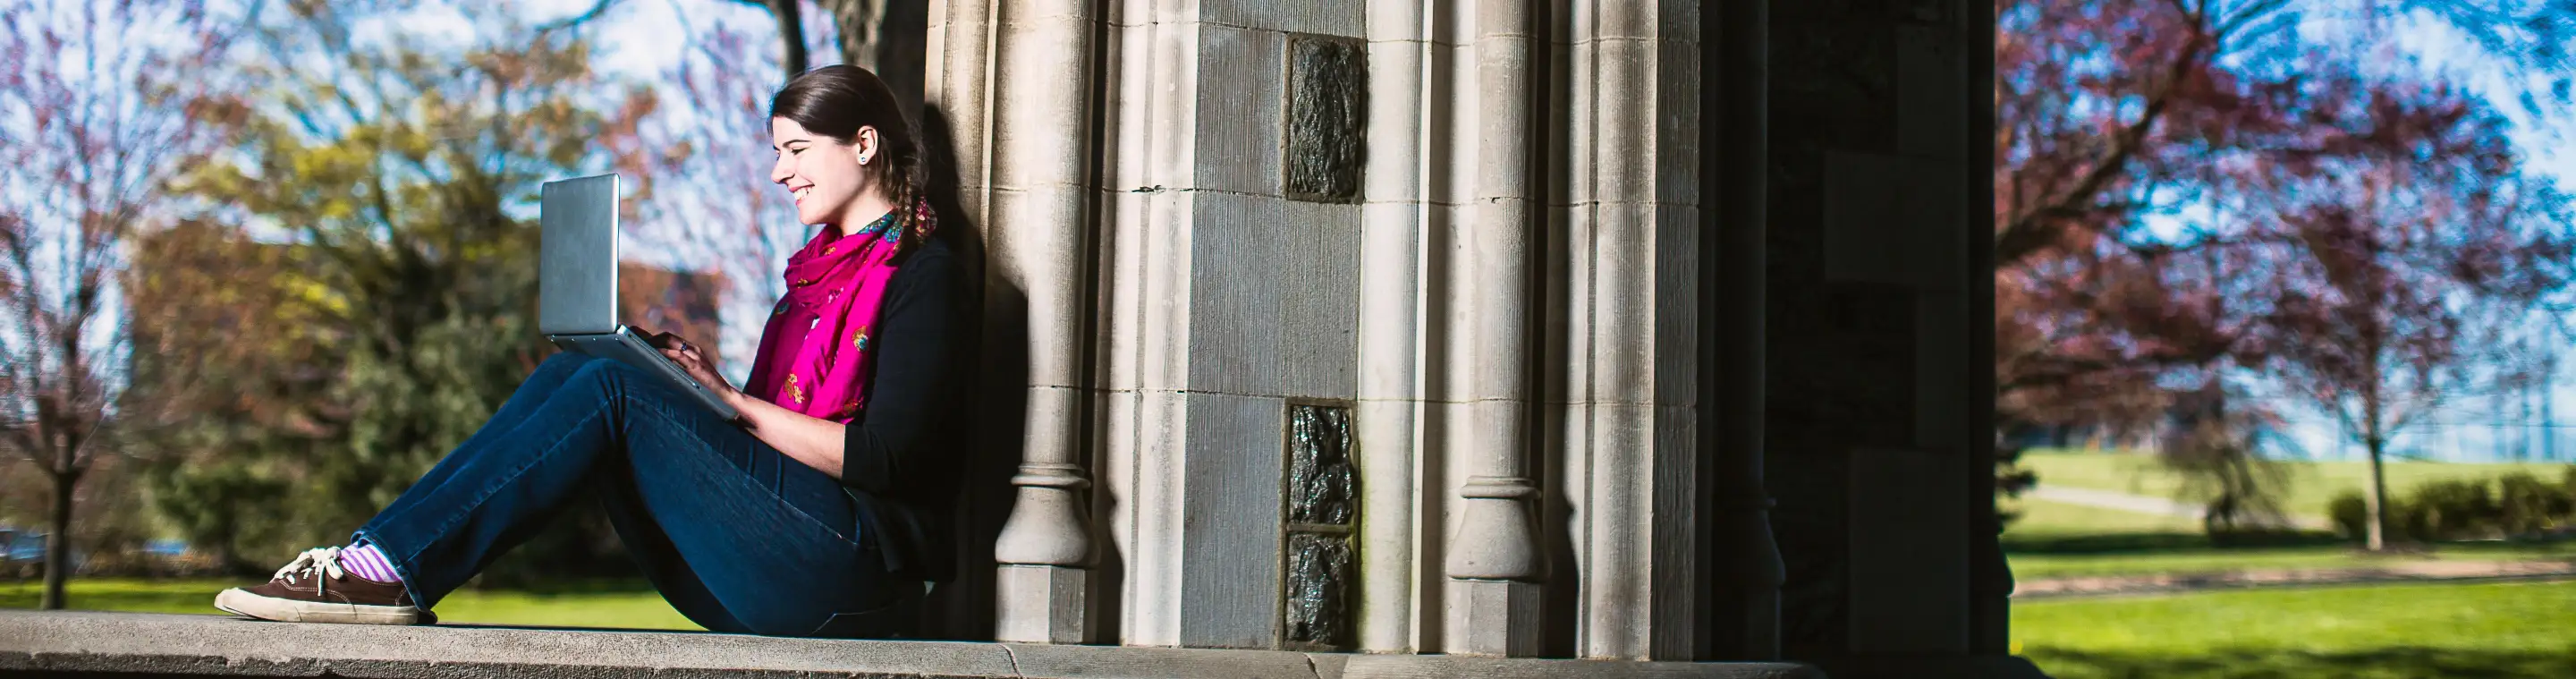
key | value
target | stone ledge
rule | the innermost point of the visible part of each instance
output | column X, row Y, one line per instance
column 79, row 643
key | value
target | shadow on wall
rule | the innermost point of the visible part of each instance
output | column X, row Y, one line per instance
column 995, row 410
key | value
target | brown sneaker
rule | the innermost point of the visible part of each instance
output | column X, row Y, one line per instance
column 315, row 588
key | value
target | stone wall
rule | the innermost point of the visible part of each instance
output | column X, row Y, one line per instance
column 1528, row 289
column 1879, row 449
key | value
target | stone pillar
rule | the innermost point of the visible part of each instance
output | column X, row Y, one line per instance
column 1493, row 559
column 1881, row 178
column 1391, row 330
column 956, row 97
column 1990, row 582
column 1626, row 356
column 1230, row 222
column 1039, row 251
column 956, row 107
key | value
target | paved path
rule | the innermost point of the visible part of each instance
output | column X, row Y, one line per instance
column 2109, row 499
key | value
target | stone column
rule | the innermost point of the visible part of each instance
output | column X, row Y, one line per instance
column 1635, row 471
column 1390, row 329
column 1493, row 559
column 957, row 97
column 953, row 116
column 1990, row 576
column 1038, row 249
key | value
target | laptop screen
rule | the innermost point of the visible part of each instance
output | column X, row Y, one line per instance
column 577, row 258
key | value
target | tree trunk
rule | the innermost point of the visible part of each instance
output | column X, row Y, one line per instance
column 889, row 38
column 2548, row 433
column 2376, row 495
column 58, row 543
column 791, row 37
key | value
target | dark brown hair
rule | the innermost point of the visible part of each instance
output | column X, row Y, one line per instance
column 835, row 101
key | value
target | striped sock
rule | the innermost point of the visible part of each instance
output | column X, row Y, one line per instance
column 368, row 562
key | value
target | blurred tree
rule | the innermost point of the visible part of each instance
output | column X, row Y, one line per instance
column 2213, row 446
column 2118, row 242
column 2409, row 260
column 96, row 120
column 706, row 167
column 234, row 419
column 406, row 176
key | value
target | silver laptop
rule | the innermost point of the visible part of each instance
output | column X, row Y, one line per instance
column 577, row 284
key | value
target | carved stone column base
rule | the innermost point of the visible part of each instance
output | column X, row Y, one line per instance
column 1494, row 617
column 1040, row 604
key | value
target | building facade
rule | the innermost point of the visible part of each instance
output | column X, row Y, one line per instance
column 1618, row 330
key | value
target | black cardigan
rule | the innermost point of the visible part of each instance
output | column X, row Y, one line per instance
column 901, row 461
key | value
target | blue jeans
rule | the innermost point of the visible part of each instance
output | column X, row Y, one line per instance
column 737, row 536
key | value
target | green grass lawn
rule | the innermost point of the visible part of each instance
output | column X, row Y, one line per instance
column 2191, row 560
column 2311, row 484
column 2439, row 630
column 619, row 605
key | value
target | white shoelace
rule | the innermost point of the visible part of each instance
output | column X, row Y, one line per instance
column 319, row 561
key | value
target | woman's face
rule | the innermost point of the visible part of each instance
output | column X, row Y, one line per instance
column 823, row 175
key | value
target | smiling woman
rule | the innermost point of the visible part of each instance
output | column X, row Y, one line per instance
column 818, row 512
column 844, row 149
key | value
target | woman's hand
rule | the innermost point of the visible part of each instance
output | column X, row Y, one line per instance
column 813, row 441
column 695, row 363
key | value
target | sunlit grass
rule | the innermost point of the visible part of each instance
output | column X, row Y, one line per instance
column 2443, row 630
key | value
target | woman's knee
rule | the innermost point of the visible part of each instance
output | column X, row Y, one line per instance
column 597, row 373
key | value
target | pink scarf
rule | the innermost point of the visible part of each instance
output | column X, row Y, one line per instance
column 814, row 353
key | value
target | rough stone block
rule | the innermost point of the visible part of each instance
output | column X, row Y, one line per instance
column 1323, row 505
column 1323, row 481
column 1326, row 125
column 1318, row 592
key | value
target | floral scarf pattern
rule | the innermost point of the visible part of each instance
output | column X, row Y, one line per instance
column 814, row 354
